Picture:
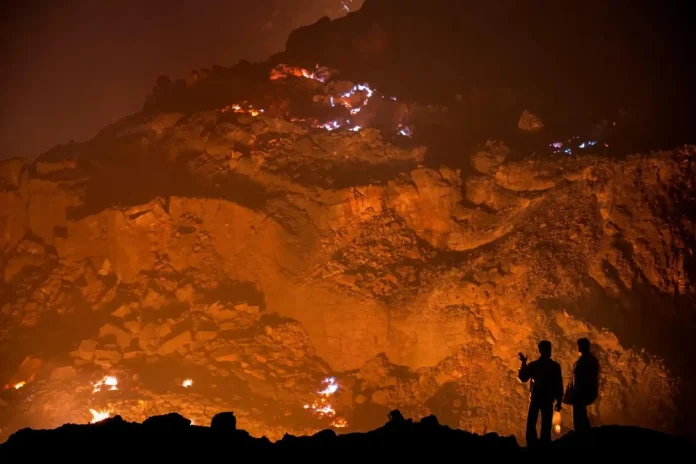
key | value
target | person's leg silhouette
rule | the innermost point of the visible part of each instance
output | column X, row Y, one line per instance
column 532, row 418
column 581, row 422
column 546, row 420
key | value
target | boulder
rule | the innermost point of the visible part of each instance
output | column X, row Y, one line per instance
column 28, row 253
column 148, row 337
column 112, row 356
column 221, row 315
column 86, row 350
column 14, row 218
column 134, row 238
column 122, row 311
column 493, row 155
column 174, row 343
column 48, row 203
column 153, row 300
column 123, row 338
column 226, row 354
column 529, row 122
column 205, row 335
column 224, row 422
column 63, row 373
column 11, row 173
column 186, row 294
column 132, row 326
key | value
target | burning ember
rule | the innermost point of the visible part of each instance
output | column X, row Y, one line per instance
column 345, row 100
column 404, row 130
column 282, row 71
column 322, row 407
column 19, row 385
column 100, row 415
column 339, row 423
column 558, row 147
column 329, row 126
column 109, row 381
column 239, row 109
column 187, row 383
column 331, row 386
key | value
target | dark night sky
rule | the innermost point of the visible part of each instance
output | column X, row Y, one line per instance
column 70, row 67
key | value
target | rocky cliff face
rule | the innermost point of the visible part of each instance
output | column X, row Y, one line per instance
column 251, row 231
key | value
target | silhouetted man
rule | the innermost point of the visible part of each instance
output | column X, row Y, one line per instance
column 547, row 387
column 585, row 385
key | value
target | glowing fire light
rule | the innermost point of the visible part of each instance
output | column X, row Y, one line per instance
column 100, row 415
column 282, row 71
column 557, row 429
column 109, row 381
column 236, row 108
column 404, row 130
column 187, row 383
column 339, row 423
column 345, row 97
column 355, row 128
column 331, row 386
column 19, row 385
column 329, row 126
column 322, row 407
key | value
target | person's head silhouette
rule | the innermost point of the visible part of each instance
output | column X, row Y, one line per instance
column 584, row 345
column 545, row 348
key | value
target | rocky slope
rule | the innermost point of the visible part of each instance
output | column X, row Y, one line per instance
column 263, row 228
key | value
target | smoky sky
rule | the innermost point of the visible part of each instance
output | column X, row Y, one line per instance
column 70, row 67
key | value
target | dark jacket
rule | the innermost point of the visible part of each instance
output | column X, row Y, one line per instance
column 586, row 379
column 547, row 380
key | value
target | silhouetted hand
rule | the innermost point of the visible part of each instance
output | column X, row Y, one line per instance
column 558, row 406
column 522, row 357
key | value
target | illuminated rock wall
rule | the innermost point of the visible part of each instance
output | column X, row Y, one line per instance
column 260, row 254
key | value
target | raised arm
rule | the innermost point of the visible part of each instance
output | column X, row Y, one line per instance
column 525, row 371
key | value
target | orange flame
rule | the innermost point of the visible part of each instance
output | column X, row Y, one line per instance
column 187, row 383
column 236, row 108
column 282, row 71
column 99, row 415
column 109, row 381
column 19, row 385
column 339, row 423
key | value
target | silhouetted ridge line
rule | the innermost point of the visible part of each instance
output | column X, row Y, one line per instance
column 173, row 436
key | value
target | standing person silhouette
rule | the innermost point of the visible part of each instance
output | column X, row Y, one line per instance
column 547, row 387
column 585, row 387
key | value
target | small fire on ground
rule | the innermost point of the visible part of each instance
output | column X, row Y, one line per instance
column 237, row 108
column 187, row 383
column 109, row 381
column 322, row 407
column 19, row 385
column 354, row 99
column 99, row 415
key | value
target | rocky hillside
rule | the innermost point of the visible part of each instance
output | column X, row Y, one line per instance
column 283, row 242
